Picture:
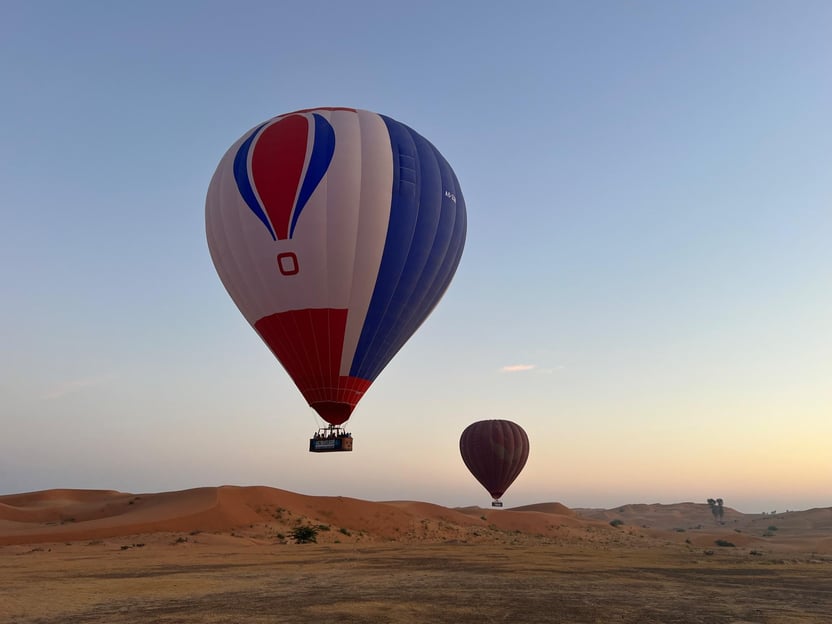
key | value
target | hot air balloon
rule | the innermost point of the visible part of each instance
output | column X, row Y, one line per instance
column 495, row 452
column 336, row 231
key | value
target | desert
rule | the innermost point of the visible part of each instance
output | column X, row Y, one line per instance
column 231, row 554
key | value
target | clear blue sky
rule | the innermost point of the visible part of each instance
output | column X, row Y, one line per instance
column 650, row 234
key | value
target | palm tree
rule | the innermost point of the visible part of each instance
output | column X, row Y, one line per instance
column 716, row 508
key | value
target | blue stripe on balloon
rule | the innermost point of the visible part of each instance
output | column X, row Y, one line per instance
column 323, row 147
column 443, row 257
column 244, row 183
column 423, row 247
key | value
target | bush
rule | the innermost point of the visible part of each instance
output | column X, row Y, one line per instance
column 305, row 534
column 772, row 528
column 725, row 543
column 617, row 522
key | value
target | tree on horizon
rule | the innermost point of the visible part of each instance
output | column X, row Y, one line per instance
column 717, row 508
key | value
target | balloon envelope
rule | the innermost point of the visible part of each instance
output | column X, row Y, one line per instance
column 495, row 452
column 335, row 231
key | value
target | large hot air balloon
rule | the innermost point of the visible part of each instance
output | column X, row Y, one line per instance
column 336, row 231
column 495, row 452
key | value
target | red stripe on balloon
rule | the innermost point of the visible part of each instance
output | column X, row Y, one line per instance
column 276, row 168
column 309, row 344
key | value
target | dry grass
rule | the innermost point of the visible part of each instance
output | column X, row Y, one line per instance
column 536, row 581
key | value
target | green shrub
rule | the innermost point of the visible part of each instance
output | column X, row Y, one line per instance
column 305, row 534
column 616, row 522
column 725, row 543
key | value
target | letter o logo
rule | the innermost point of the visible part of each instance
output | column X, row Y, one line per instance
column 287, row 263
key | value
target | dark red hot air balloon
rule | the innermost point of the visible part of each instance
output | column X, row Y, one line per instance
column 495, row 452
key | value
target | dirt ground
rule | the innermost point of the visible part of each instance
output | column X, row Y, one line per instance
column 170, row 581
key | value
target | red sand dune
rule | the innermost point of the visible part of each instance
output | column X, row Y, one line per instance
column 73, row 515
column 264, row 514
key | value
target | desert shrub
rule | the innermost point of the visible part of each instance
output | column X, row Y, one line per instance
column 772, row 528
column 616, row 522
column 679, row 530
column 725, row 543
column 305, row 534
column 323, row 527
column 345, row 531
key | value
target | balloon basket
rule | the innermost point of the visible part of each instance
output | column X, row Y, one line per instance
column 496, row 503
column 330, row 440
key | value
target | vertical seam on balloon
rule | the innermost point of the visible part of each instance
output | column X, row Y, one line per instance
column 303, row 358
column 293, row 348
column 252, row 183
column 394, row 324
column 454, row 249
column 255, row 306
column 245, row 178
column 501, row 464
column 510, row 446
column 370, row 372
column 358, row 224
column 356, row 368
column 413, row 314
column 324, row 193
column 294, row 213
column 314, row 355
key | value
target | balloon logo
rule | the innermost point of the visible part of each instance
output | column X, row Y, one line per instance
column 269, row 174
column 495, row 451
column 336, row 231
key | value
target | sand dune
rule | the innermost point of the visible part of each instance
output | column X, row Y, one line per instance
column 808, row 531
column 266, row 515
column 261, row 512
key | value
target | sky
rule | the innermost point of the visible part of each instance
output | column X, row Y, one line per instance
column 645, row 286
